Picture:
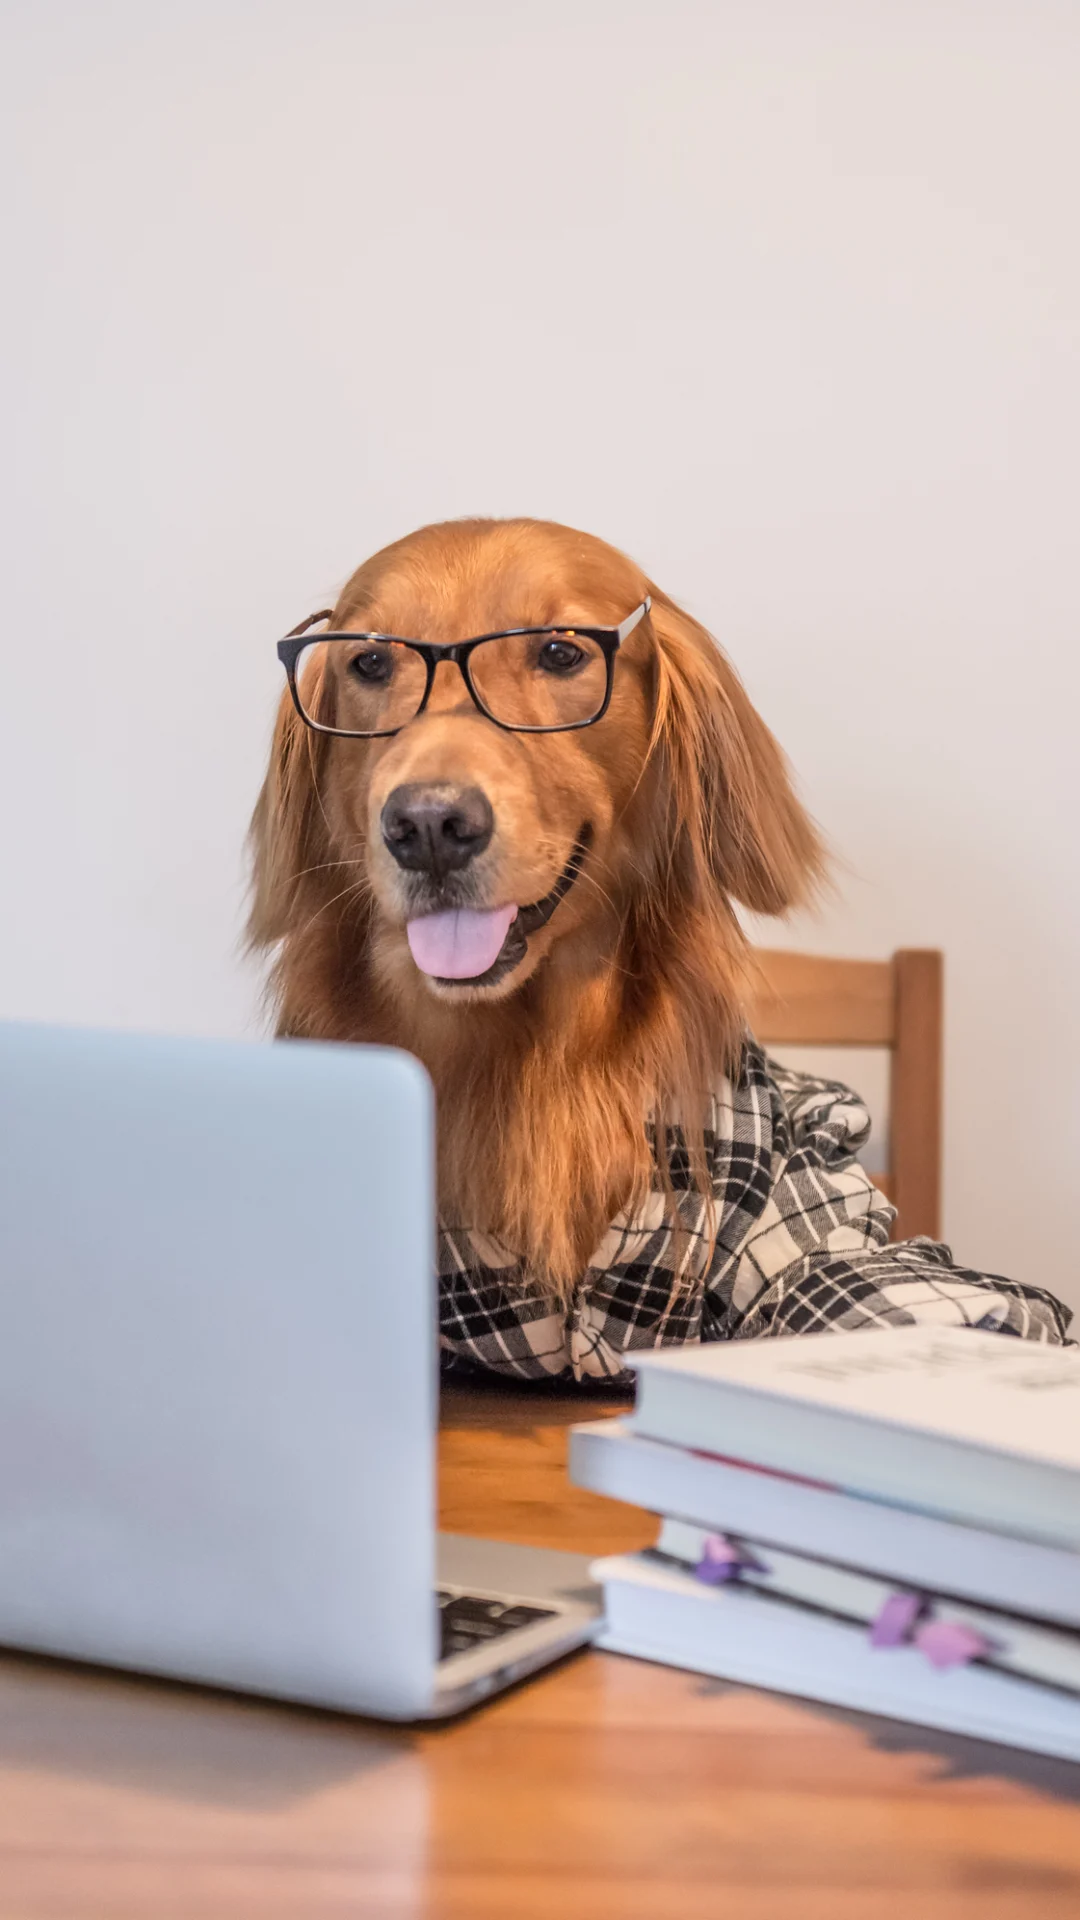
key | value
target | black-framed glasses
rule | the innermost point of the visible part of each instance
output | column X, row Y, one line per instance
column 528, row 679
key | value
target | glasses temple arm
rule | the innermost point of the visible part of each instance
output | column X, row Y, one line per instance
column 311, row 621
column 626, row 629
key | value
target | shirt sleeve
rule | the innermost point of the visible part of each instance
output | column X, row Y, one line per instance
column 818, row 1256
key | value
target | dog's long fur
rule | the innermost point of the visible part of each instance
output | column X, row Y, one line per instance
column 633, row 1002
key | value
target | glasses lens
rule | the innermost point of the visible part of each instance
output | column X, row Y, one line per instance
column 553, row 679
column 360, row 685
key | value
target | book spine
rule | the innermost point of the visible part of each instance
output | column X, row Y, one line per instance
column 763, row 1642
column 894, row 1542
column 954, row 1479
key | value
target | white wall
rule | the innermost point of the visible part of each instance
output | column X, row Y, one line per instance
column 784, row 299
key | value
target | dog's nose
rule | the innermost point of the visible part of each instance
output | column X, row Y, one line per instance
column 436, row 828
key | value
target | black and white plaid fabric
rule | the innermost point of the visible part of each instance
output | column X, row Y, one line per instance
column 802, row 1245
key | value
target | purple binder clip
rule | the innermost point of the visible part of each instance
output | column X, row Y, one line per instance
column 895, row 1622
column 723, row 1559
column 947, row 1643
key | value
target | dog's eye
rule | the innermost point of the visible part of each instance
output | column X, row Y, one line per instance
column 559, row 656
column 373, row 667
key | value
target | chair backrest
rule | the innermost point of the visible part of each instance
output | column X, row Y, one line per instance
column 805, row 1000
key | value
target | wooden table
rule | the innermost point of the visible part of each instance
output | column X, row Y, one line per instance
column 606, row 1789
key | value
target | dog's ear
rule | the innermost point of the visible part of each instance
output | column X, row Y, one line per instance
column 288, row 839
column 734, row 816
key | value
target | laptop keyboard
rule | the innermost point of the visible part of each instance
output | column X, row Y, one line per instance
column 467, row 1620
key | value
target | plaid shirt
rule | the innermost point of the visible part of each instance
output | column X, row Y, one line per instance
column 802, row 1244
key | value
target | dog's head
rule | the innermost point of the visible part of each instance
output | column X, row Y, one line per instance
column 454, row 856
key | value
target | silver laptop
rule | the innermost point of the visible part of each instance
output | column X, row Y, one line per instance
column 219, row 1384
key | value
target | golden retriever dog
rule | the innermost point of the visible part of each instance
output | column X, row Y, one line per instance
column 526, row 878
column 514, row 795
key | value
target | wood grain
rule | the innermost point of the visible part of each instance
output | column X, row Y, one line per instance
column 810, row 1000
column 607, row 1789
column 503, row 1473
column 915, row 1098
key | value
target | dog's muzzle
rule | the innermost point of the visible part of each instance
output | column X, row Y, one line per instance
column 466, row 947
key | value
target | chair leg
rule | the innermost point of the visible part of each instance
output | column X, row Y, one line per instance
column 916, row 1092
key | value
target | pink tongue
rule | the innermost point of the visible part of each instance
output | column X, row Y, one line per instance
column 459, row 945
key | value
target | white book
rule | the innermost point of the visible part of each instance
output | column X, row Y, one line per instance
column 976, row 1426
column 1014, row 1645
column 914, row 1549
column 656, row 1612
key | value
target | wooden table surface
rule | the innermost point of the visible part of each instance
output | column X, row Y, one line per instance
column 606, row 1788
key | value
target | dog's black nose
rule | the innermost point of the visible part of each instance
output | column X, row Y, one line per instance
column 435, row 829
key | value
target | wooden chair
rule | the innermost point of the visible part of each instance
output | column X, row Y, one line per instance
column 804, row 1000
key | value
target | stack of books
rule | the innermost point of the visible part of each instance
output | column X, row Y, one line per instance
column 887, row 1520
